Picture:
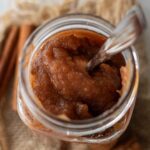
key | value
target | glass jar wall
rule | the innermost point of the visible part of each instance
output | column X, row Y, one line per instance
column 103, row 129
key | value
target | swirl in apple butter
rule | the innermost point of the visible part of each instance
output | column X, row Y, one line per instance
column 61, row 83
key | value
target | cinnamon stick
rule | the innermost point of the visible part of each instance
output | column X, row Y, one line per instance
column 7, row 51
column 25, row 31
column 8, row 60
column 9, row 73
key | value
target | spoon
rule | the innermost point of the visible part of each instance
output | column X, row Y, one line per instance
column 123, row 36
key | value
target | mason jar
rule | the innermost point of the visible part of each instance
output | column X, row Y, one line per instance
column 104, row 129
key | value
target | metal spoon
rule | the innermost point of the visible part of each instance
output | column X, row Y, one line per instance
column 123, row 36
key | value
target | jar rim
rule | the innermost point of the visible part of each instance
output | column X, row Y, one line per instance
column 76, row 127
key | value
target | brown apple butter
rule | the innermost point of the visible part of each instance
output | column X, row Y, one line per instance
column 61, row 83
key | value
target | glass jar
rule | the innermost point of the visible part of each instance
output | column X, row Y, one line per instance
column 104, row 129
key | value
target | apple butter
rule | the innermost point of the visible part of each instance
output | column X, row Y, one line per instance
column 61, row 83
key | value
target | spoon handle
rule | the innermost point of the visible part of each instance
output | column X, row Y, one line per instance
column 123, row 36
